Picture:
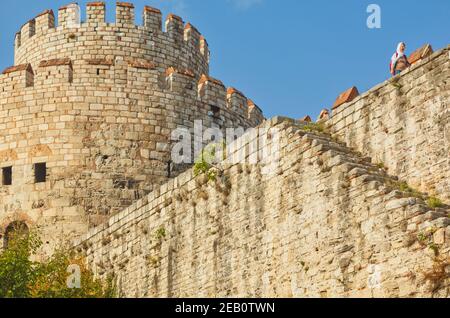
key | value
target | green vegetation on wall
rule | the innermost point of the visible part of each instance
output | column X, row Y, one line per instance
column 20, row 277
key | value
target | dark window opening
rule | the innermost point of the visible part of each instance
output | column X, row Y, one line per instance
column 40, row 172
column 215, row 110
column 98, row 71
column 169, row 169
column 7, row 176
column 15, row 230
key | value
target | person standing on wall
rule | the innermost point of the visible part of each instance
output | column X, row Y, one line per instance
column 399, row 61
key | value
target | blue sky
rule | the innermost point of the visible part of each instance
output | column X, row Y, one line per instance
column 292, row 57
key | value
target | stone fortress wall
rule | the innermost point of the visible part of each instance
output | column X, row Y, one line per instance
column 326, row 223
column 330, row 222
column 404, row 124
column 97, row 103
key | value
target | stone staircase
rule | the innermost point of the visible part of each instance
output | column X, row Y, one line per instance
column 327, row 223
column 362, row 168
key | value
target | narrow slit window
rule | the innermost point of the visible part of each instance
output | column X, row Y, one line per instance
column 7, row 176
column 40, row 172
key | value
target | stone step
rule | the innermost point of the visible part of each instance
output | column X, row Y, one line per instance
column 323, row 139
column 323, row 147
column 349, row 158
column 362, row 169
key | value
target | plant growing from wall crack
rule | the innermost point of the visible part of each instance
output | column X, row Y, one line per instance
column 426, row 239
column 160, row 234
column 435, row 203
column 206, row 163
column 316, row 127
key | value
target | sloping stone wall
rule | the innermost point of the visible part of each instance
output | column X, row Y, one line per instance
column 404, row 124
column 325, row 223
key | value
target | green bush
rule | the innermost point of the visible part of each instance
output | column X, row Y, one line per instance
column 20, row 277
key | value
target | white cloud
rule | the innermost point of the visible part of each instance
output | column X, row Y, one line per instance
column 245, row 4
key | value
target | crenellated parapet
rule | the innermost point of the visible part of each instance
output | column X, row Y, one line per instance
column 212, row 92
column 55, row 71
column 124, row 13
column 182, row 45
column 95, row 12
column 69, row 16
column 181, row 81
column 133, row 74
column 152, row 19
column 237, row 101
column 175, row 28
column 45, row 21
column 39, row 25
column 179, row 53
column 255, row 114
column 17, row 78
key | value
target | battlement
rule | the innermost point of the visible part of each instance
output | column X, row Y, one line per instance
column 181, row 81
column 45, row 21
column 212, row 92
column 124, row 13
column 237, row 101
column 55, row 71
column 133, row 74
column 51, row 72
column 42, row 29
column 17, row 77
column 192, row 36
column 69, row 16
column 152, row 19
column 95, row 12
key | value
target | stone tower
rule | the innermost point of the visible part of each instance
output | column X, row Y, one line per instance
column 87, row 111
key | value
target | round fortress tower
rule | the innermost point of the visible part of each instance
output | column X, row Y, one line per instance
column 87, row 112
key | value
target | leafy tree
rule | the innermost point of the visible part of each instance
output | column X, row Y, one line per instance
column 16, row 268
column 20, row 277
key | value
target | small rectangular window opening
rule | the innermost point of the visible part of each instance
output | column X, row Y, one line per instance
column 40, row 172
column 7, row 176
